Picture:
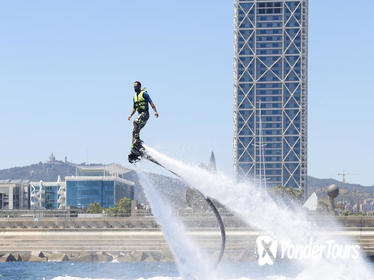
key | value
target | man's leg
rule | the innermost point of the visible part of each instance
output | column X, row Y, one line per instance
column 139, row 123
column 134, row 132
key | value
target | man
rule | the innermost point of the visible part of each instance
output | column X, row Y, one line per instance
column 141, row 100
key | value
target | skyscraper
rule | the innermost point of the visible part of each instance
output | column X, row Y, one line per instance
column 270, row 91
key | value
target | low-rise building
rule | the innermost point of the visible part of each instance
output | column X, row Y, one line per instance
column 14, row 194
column 99, row 183
column 47, row 195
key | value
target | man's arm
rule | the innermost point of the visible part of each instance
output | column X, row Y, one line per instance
column 154, row 109
column 132, row 113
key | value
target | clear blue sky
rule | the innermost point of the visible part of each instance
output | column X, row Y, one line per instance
column 67, row 69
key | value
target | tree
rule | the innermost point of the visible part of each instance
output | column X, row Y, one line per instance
column 323, row 206
column 123, row 208
column 286, row 194
column 94, row 208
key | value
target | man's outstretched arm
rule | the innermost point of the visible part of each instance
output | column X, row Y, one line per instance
column 154, row 109
column 132, row 113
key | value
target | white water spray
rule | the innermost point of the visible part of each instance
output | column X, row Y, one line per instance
column 258, row 209
column 191, row 262
column 253, row 204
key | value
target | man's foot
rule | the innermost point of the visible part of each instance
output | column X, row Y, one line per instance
column 136, row 151
column 138, row 144
column 133, row 158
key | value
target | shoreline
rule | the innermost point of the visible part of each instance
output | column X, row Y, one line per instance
column 138, row 239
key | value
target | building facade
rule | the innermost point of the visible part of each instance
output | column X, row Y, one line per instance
column 82, row 191
column 270, row 91
column 93, row 183
column 14, row 194
column 102, row 184
column 47, row 195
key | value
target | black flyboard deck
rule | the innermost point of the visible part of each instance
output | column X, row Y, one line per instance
column 140, row 153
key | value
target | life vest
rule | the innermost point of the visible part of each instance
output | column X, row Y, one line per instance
column 141, row 105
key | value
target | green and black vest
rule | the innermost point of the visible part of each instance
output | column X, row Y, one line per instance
column 141, row 105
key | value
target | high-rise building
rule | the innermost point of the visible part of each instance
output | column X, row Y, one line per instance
column 270, row 91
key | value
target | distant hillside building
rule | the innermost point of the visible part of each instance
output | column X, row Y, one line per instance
column 52, row 158
column 103, row 184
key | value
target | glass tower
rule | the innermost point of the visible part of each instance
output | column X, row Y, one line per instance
column 270, row 91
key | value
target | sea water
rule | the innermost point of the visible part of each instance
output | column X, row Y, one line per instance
column 136, row 271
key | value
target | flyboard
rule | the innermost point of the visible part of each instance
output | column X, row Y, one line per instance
column 138, row 152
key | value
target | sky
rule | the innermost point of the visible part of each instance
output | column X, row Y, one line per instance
column 67, row 70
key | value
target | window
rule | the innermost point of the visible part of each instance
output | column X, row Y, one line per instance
column 268, row 8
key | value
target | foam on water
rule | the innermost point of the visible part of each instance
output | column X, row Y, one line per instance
column 191, row 262
column 161, row 278
column 165, row 278
column 79, row 278
column 168, row 278
column 154, row 278
column 258, row 209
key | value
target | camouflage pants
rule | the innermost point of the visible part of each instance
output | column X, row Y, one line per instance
column 139, row 123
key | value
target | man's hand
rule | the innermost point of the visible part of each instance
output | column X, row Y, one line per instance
column 154, row 109
column 131, row 114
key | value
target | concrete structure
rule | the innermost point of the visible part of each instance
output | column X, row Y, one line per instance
column 47, row 195
column 14, row 194
column 100, row 183
column 112, row 169
column 130, row 236
column 270, row 91
column 332, row 192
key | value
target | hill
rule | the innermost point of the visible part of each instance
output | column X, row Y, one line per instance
column 351, row 192
column 50, row 170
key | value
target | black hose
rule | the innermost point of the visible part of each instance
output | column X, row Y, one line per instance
column 221, row 227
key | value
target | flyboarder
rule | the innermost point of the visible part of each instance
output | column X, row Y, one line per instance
column 141, row 100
